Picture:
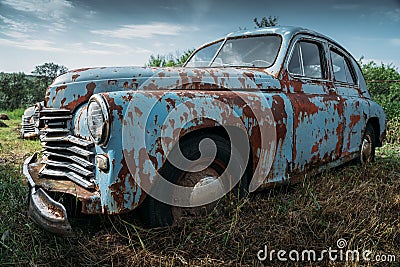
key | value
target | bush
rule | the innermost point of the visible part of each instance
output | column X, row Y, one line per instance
column 393, row 131
column 18, row 90
column 384, row 86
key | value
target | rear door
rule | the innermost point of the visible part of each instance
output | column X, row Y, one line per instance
column 318, row 117
column 354, row 106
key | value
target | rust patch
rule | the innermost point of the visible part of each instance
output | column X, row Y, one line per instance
column 90, row 87
column 138, row 111
column 60, row 88
column 184, row 78
column 113, row 106
column 112, row 82
column 250, row 75
column 286, row 83
column 126, row 85
column 47, row 97
column 75, row 76
column 118, row 189
column 171, row 103
column 339, row 144
column 302, row 107
column 278, row 109
column 151, row 86
column 315, row 148
column 127, row 98
column 354, row 119
column 82, row 69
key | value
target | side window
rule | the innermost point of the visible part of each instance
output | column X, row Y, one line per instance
column 306, row 60
column 342, row 69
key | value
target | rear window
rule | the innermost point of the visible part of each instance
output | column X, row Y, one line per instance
column 342, row 68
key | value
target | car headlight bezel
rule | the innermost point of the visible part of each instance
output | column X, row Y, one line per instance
column 98, row 133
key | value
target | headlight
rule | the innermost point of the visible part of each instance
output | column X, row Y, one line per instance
column 98, row 120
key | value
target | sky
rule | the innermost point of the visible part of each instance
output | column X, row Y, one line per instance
column 78, row 34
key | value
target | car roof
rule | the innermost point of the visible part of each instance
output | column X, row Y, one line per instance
column 287, row 31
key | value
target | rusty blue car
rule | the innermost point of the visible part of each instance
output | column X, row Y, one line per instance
column 250, row 110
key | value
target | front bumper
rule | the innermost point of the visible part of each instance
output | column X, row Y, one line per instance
column 44, row 210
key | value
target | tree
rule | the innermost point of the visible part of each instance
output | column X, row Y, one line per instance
column 156, row 61
column 47, row 72
column 14, row 90
column 383, row 83
column 266, row 22
column 169, row 60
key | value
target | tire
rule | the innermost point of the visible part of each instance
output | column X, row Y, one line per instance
column 367, row 150
column 157, row 214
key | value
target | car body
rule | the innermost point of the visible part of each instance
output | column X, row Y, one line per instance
column 30, row 121
column 298, row 96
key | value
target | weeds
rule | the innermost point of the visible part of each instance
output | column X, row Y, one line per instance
column 15, row 114
column 359, row 204
column 393, row 131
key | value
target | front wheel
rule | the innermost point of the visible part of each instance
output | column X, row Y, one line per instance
column 156, row 213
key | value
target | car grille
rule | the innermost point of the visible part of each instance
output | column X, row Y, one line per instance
column 64, row 155
column 28, row 125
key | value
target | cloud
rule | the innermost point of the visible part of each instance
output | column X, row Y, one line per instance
column 395, row 41
column 16, row 35
column 15, row 30
column 55, row 12
column 110, row 45
column 142, row 31
column 99, row 48
column 393, row 15
column 15, row 25
column 123, row 49
column 32, row 44
column 393, row 62
column 346, row 6
column 41, row 8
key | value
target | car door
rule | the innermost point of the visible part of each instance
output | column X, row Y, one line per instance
column 346, row 86
column 317, row 109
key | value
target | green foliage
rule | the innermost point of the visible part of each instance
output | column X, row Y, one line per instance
column 47, row 72
column 169, row 60
column 383, row 83
column 393, row 131
column 266, row 22
column 18, row 90
column 15, row 114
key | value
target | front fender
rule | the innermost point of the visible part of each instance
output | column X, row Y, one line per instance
column 145, row 126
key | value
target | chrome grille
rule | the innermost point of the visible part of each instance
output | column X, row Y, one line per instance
column 64, row 155
column 28, row 123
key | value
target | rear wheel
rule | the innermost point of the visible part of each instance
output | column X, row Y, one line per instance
column 367, row 151
column 156, row 213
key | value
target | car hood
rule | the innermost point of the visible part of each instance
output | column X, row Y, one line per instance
column 76, row 87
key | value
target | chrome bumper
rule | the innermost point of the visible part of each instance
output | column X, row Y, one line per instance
column 48, row 213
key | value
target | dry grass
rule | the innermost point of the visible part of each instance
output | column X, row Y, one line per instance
column 359, row 204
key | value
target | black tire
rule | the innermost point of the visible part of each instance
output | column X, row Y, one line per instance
column 157, row 214
column 367, row 149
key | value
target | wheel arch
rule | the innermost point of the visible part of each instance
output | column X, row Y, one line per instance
column 220, row 131
column 374, row 121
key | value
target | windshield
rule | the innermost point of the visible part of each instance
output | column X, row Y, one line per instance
column 257, row 51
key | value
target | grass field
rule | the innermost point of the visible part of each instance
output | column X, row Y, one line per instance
column 358, row 204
